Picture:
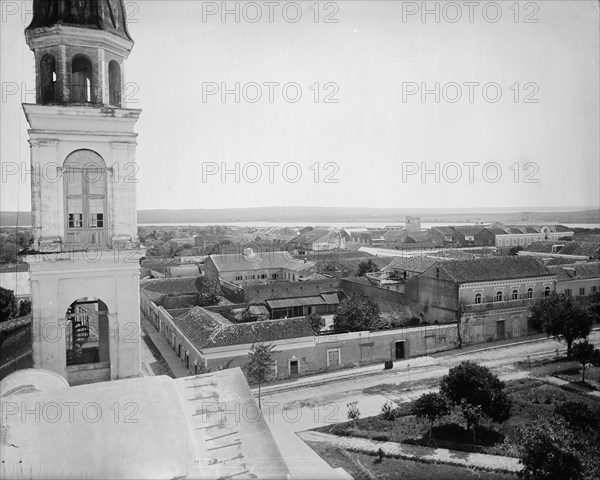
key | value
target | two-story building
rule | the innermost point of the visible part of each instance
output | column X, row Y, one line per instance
column 490, row 296
column 577, row 279
column 250, row 266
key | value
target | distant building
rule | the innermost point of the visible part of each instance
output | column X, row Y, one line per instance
column 523, row 235
column 441, row 235
column 318, row 240
column 413, row 224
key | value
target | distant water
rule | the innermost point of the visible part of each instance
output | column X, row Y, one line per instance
column 340, row 224
column 424, row 226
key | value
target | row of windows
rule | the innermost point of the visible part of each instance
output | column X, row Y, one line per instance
column 262, row 276
column 507, row 242
column 568, row 292
column 500, row 297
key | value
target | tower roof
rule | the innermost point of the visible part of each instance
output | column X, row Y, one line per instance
column 108, row 15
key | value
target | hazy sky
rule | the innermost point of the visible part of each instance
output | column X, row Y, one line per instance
column 528, row 136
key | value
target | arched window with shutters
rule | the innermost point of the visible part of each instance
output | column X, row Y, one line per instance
column 478, row 298
column 85, row 199
column 499, row 296
column 515, row 294
column 530, row 293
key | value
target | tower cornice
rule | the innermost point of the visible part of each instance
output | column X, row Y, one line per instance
column 56, row 35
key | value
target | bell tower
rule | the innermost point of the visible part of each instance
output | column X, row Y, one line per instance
column 84, row 264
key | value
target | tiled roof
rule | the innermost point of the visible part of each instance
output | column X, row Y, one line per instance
column 199, row 324
column 258, row 332
column 233, row 262
column 444, row 230
column 576, row 271
column 493, row 268
column 588, row 249
column 468, row 230
column 323, row 299
column 495, row 230
column 210, row 330
column 295, row 302
column 410, row 264
column 419, row 236
column 172, row 286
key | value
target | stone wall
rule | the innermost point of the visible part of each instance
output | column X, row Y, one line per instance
column 388, row 300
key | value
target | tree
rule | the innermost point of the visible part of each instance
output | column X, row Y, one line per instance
column 515, row 250
column 365, row 267
column 577, row 415
column 316, row 321
column 8, row 305
column 209, row 291
column 547, row 453
column 431, row 406
column 585, row 353
column 473, row 414
column 561, row 317
column 355, row 313
column 260, row 366
column 388, row 413
column 478, row 392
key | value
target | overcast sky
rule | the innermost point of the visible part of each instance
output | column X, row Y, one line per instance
column 524, row 132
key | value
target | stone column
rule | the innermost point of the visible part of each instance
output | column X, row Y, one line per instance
column 49, row 328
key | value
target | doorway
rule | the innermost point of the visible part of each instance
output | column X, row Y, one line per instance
column 400, row 350
column 293, row 367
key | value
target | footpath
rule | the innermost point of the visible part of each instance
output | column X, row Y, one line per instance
column 168, row 354
column 416, row 452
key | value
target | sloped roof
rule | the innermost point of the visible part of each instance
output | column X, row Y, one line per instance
column 468, row 230
column 588, row 249
column 207, row 329
column 574, row 271
column 493, row 268
column 444, row 230
column 495, row 230
column 233, row 262
column 258, row 332
column 410, row 264
column 199, row 324
column 295, row 302
column 172, row 286
column 419, row 237
column 323, row 299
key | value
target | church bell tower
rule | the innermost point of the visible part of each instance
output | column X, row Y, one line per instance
column 84, row 264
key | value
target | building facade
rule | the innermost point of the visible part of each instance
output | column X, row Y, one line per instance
column 249, row 266
column 489, row 297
